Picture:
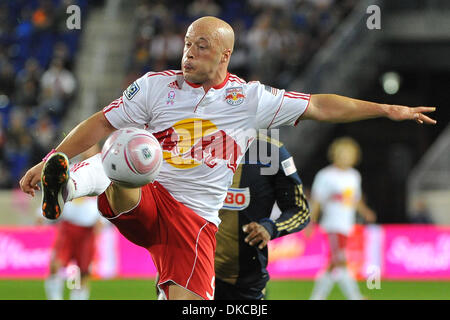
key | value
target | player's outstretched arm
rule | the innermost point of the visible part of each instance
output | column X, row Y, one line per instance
column 335, row 108
column 81, row 138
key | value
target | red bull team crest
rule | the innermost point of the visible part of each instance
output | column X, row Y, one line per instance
column 234, row 96
column 192, row 142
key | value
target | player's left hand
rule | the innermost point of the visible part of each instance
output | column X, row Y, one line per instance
column 400, row 113
column 256, row 234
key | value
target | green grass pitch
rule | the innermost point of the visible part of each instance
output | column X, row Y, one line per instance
column 143, row 289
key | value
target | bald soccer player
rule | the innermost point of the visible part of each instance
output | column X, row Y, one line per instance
column 205, row 119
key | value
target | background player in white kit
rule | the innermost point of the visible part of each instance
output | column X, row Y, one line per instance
column 201, row 103
column 336, row 192
column 74, row 242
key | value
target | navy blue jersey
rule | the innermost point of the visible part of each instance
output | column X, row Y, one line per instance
column 251, row 198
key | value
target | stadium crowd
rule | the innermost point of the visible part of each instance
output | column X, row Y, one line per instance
column 37, row 53
column 275, row 39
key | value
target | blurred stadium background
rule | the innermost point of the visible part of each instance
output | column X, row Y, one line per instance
column 52, row 77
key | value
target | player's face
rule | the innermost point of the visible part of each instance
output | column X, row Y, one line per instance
column 201, row 56
column 345, row 156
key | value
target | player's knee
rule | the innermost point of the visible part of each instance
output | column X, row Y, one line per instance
column 122, row 199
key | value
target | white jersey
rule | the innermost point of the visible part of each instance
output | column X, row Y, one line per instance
column 338, row 192
column 82, row 212
column 203, row 135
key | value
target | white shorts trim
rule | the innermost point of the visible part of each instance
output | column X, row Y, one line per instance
column 196, row 253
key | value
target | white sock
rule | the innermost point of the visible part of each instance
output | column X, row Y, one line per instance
column 347, row 283
column 322, row 286
column 87, row 178
column 54, row 287
column 80, row 294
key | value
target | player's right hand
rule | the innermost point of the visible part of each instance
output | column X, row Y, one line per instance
column 399, row 113
column 29, row 181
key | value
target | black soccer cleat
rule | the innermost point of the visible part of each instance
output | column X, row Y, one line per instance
column 55, row 176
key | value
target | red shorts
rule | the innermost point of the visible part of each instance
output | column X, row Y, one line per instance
column 338, row 244
column 181, row 243
column 74, row 242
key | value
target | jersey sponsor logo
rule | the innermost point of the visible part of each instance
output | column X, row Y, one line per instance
column 288, row 166
column 347, row 197
column 131, row 91
column 192, row 142
column 234, row 96
column 237, row 199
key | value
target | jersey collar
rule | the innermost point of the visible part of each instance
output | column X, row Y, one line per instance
column 216, row 87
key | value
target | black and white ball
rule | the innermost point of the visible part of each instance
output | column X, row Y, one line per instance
column 132, row 157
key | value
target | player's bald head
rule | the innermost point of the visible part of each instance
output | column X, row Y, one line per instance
column 215, row 30
column 208, row 45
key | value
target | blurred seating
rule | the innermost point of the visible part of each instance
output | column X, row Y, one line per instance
column 37, row 53
column 275, row 39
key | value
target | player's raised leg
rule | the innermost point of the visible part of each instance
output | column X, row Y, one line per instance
column 128, row 200
column 122, row 199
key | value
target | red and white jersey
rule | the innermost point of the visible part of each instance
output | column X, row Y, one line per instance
column 338, row 192
column 203, row 135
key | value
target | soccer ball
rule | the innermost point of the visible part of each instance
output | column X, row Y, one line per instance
column 132, row 157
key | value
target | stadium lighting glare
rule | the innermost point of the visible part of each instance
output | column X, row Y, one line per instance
column 391, row 82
